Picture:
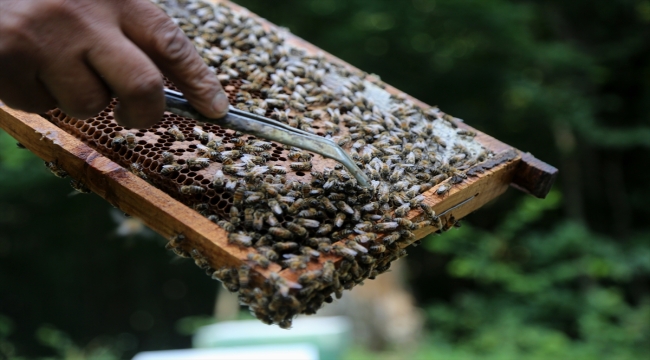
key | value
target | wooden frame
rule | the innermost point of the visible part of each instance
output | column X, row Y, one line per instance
column 169, row 217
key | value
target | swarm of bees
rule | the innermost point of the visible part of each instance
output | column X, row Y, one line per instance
column 285, row 205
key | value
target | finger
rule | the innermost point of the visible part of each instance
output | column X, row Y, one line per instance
column 78, row 90
column 26, row 93
column 20, row 87
column 166, row 44
column 132, row 76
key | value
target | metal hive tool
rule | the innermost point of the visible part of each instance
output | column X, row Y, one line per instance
column 268, row 129
column 360, row 232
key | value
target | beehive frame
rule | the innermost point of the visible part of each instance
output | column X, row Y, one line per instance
column 170, row 217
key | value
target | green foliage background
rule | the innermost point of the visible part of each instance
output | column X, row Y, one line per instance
column 566, row 277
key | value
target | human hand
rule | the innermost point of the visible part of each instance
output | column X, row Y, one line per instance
column 74, row 54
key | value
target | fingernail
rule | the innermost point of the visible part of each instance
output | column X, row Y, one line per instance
column 220, row 104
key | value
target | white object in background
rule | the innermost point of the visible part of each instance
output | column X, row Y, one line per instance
column 260, row 352
column 331, row 335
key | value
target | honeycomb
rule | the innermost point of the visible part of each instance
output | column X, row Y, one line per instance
column 289, row 206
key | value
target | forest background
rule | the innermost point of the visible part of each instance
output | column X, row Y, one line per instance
column 565, row 277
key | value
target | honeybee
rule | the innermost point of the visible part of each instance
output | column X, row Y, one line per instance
column 406, row 234
column 343, row 206
column 248, row 217
column 258, row 260
column 344, row 252
column 244, row 275
column 240, row 239
column 238, row 196
column 386, row 226
column 218, row 181
column 309, row 276
column 298, row 155
column 296, row 206
column 276, row 169
column 403, row 210
column 295, row 262
column 136, row 169
column 275, row 207
column 228, row 226
column 377, row 248
column 404, row 222
column 328, row 272
column 364, row 238
column 254, row 197
column 339, row 219
column 391, row 238
column 469, row 133
column 285, row 246
column 191, row 190
column 373, row 206
column 201, row 135
column 327, row 205
column 167, row 158
column 443, row 189
column 297, row 229
column 324, row 229
column 198, row 163
column 258, row 220
column 174, row 244
column 420, row 224
column 282, row 116
column 79, row 186
column 280, row 232
column 310, row 223
column 55, row 169
column 301, row 166
column 199, row 259
column 209, row 152
column 130, row 140
column 428, row 211
column 175, row 132
column 213, row 218
column 175, row 241
column 118, row 139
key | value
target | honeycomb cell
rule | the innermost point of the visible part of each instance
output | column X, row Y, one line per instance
column 180, row 178
column 221, row 205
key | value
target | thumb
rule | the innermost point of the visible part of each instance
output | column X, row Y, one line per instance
column 174, row 54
